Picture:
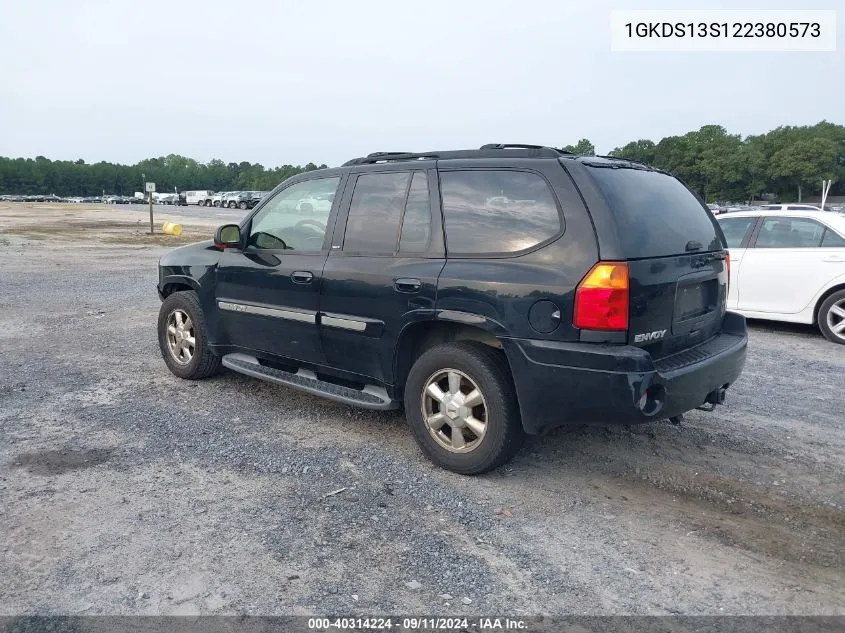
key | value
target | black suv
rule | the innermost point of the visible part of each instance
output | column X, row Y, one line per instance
column 492, row 292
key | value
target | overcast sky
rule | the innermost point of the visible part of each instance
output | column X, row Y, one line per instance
column 292, row 82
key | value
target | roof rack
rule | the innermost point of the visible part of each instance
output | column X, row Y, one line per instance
column 491, row 150
column 546, row 150
column 386, row 157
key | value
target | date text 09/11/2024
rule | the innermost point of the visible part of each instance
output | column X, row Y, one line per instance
column 418, row 624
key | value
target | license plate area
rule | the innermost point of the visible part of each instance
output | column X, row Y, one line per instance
column 696, row 302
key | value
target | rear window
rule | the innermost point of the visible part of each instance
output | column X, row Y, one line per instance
column 656, row 215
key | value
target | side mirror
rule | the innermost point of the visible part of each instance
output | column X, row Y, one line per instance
column 227, row 236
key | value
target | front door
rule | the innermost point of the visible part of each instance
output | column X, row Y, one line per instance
column 382, row 272
column 267, row 292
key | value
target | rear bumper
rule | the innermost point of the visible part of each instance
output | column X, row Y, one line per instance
column 577, row 383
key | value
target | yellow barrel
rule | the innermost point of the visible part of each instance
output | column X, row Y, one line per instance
column 170, row 228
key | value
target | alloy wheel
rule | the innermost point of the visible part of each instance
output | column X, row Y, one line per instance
column 836, row 319
column 454, row 410
column 181, row 337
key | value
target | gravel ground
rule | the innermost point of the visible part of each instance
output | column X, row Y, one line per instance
column 124, row 490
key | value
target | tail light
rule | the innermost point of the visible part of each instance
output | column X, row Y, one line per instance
column 728, row 268
column 601, row 299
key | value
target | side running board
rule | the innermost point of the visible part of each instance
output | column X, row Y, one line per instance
column 370, row 397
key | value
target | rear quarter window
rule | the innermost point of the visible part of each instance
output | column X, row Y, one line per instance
column 497, row 211
column 735, row 230
column 656, row 215
column 832, row 238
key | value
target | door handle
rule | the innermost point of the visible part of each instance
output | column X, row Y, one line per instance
column 407, row 285
column 834, row 258
column 301, row 277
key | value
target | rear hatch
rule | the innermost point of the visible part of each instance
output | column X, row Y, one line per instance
column 676, row 262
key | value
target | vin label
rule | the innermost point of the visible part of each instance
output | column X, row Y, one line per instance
column 723, row 31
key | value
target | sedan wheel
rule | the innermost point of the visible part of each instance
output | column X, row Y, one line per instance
column 832, row 317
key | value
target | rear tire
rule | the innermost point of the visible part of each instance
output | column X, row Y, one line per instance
column 180, row 321
column 216, row 203
column 832, row 317
column 242, row 206
column 478, row 415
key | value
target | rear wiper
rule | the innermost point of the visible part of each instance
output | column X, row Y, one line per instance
column 692, row 245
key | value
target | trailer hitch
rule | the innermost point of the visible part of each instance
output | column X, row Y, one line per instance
column 717, row 396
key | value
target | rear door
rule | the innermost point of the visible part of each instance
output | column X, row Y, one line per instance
column 676, row 261
column 381, row 274
column 737, row 232
column 790, row 261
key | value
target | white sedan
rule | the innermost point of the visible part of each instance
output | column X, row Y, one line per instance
column 788, row 266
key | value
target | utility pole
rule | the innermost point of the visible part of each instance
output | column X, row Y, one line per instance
column 826, row 184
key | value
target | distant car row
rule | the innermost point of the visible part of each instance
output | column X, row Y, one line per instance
column 227, row 199
column 719, row 209
column 76, row 199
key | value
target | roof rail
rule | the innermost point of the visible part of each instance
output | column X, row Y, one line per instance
column 385, row 157
column 491, row 150
column 543, row 149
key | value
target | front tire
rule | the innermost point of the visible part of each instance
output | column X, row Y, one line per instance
column 832, row 317
column 242, row 206
column 462, row 409
column 183, row 337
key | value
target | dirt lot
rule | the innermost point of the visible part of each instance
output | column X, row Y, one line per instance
column 126, row 490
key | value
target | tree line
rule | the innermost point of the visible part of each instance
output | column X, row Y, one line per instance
column 169, row 173
column 788, row 162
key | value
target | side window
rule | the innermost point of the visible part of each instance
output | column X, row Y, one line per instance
column 295, row 218
column 789, row 233
column 735, row 230
column 375, row 212
column 416, row 223
column 832, row 238
column 496, row 211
